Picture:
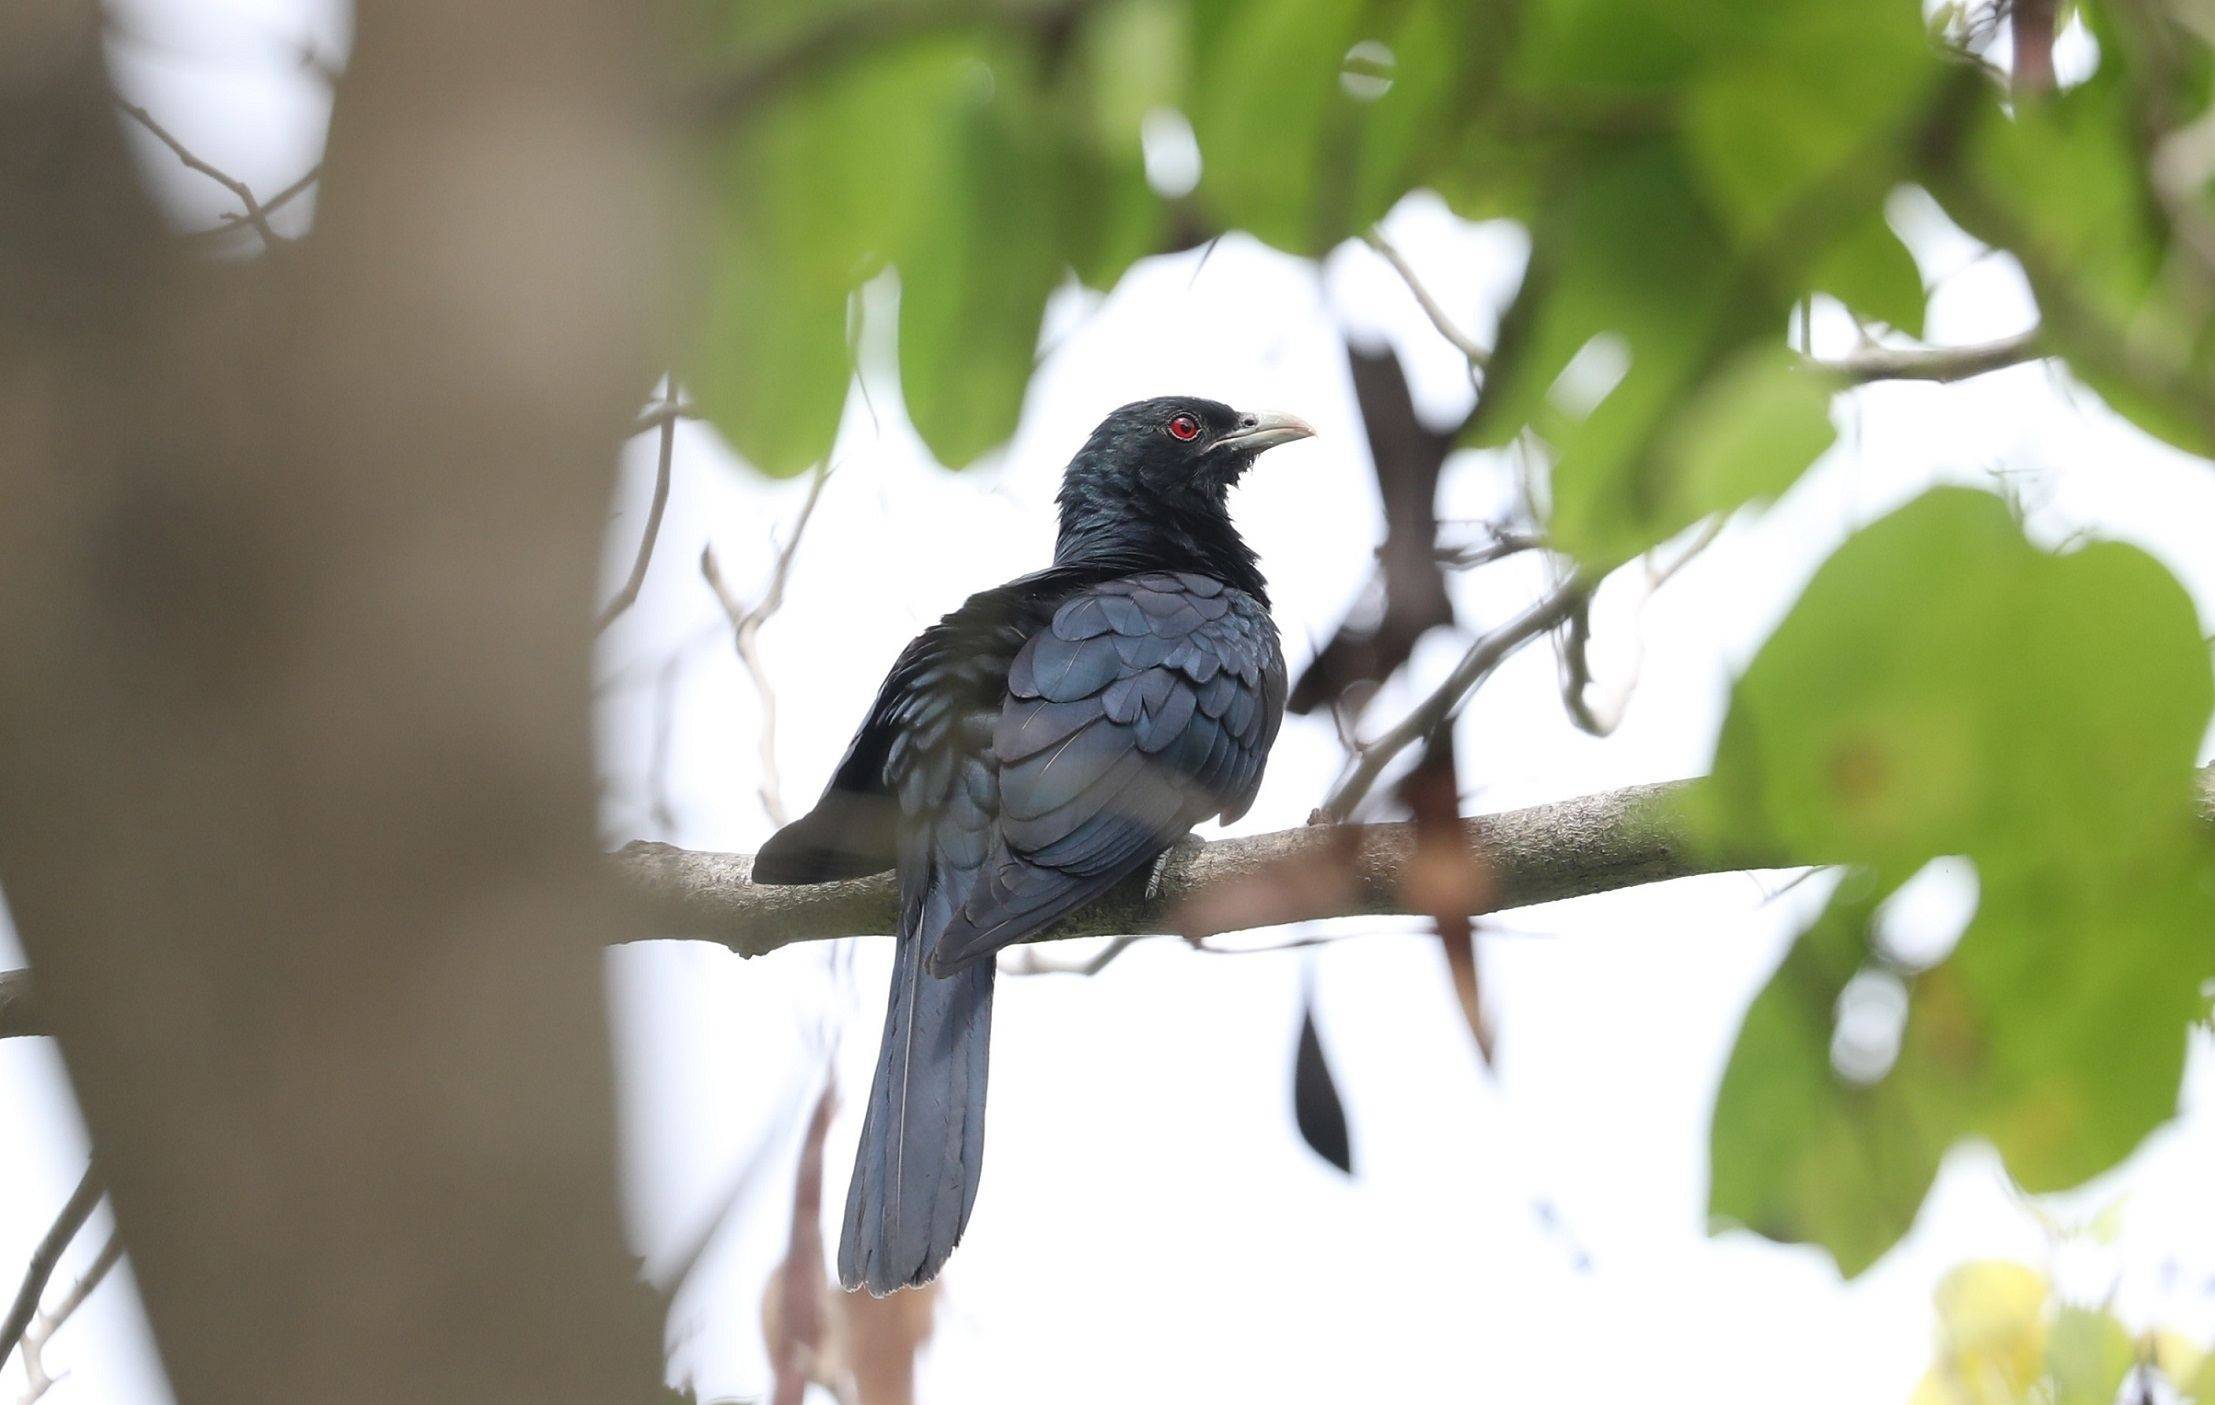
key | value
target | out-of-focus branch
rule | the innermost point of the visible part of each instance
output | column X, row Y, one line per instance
column 18, row 1014
column 746, row 623
column 1462, row 342
column 48, row 1321
column 1933, row 363
column 257, row 214
column 1576, row 639
column 1407, row 457
column 74, row 1212
column 270, row 206
column 1483, row 656
column 667, row 410
column 628, row 595
column 2031, row 28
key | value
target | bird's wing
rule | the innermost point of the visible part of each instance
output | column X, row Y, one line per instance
column 954, row 667
column 1147, row 704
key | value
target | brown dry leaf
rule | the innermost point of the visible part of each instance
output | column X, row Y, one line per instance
column 1443, row 880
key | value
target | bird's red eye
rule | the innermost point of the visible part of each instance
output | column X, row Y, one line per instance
column 1185, row 427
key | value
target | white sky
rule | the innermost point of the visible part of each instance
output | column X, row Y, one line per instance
column 1150, row 1226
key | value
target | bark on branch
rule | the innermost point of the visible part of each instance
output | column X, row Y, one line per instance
column 1592, row 844
column 1542, row 853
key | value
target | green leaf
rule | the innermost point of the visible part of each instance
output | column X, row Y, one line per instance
column 1613, row 47
column 814, row 196
column 1867, row 268
column 1943, row 687
column 1272, row 120
column 1796, row 1152
column 1750, row 430
column 974, row 278
column 2088, row 1353
column 1807, row 104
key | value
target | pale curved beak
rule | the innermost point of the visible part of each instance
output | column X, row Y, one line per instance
column 1265, row 429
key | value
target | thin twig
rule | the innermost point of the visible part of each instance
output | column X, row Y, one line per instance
column 274, row 203
column 1576, row 673
column 746, row 626
column 1030, row 961
column 1933, row 363
column 74, row 1212
column 1576, row 642
column 667, row 410
column 36, row 1379
column 1503, row 544
column 256, row 214
column 628, row 595
column 1483, row 656
column 1462, row 342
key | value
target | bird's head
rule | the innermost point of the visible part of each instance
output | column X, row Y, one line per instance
column 1152, row 485
column 1179, row 446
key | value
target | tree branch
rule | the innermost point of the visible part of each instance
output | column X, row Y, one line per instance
column 48, row 1321
column 1934, row 363
column 257, row 214
column 666, row 417
column 1437, row 708
column 1543, row 853
column 46, row 1257
column 1593, row 844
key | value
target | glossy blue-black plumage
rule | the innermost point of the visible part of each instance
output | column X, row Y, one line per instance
column 1046, row 740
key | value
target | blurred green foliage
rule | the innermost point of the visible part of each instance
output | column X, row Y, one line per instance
column 1943, row 687
column 1689, row 173
column 2006, row 1338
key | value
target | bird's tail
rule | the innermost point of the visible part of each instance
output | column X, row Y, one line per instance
column 922, row 1138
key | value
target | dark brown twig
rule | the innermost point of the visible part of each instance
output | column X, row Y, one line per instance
column 1483, row 656
column 256, row 214
column 270, row 206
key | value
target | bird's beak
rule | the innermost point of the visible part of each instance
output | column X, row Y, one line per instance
column 1265, row 429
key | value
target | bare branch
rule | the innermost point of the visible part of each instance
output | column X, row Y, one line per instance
column 1576, row 673
column 1477, row 356
column 1544, row 853
column 1483, row 656
column 746, row 626
column 1594, row 844
column 1934, row 363
column 48, row 1321
column 18, row 1015
column 74, row 1212
column 257, row 215
column 1576, row 663
column 270, row 206
column 628, row 595
column 671, row 409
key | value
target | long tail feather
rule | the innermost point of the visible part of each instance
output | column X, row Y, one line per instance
column 922, row 1138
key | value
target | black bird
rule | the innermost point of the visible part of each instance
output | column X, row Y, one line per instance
column 1038, row 744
